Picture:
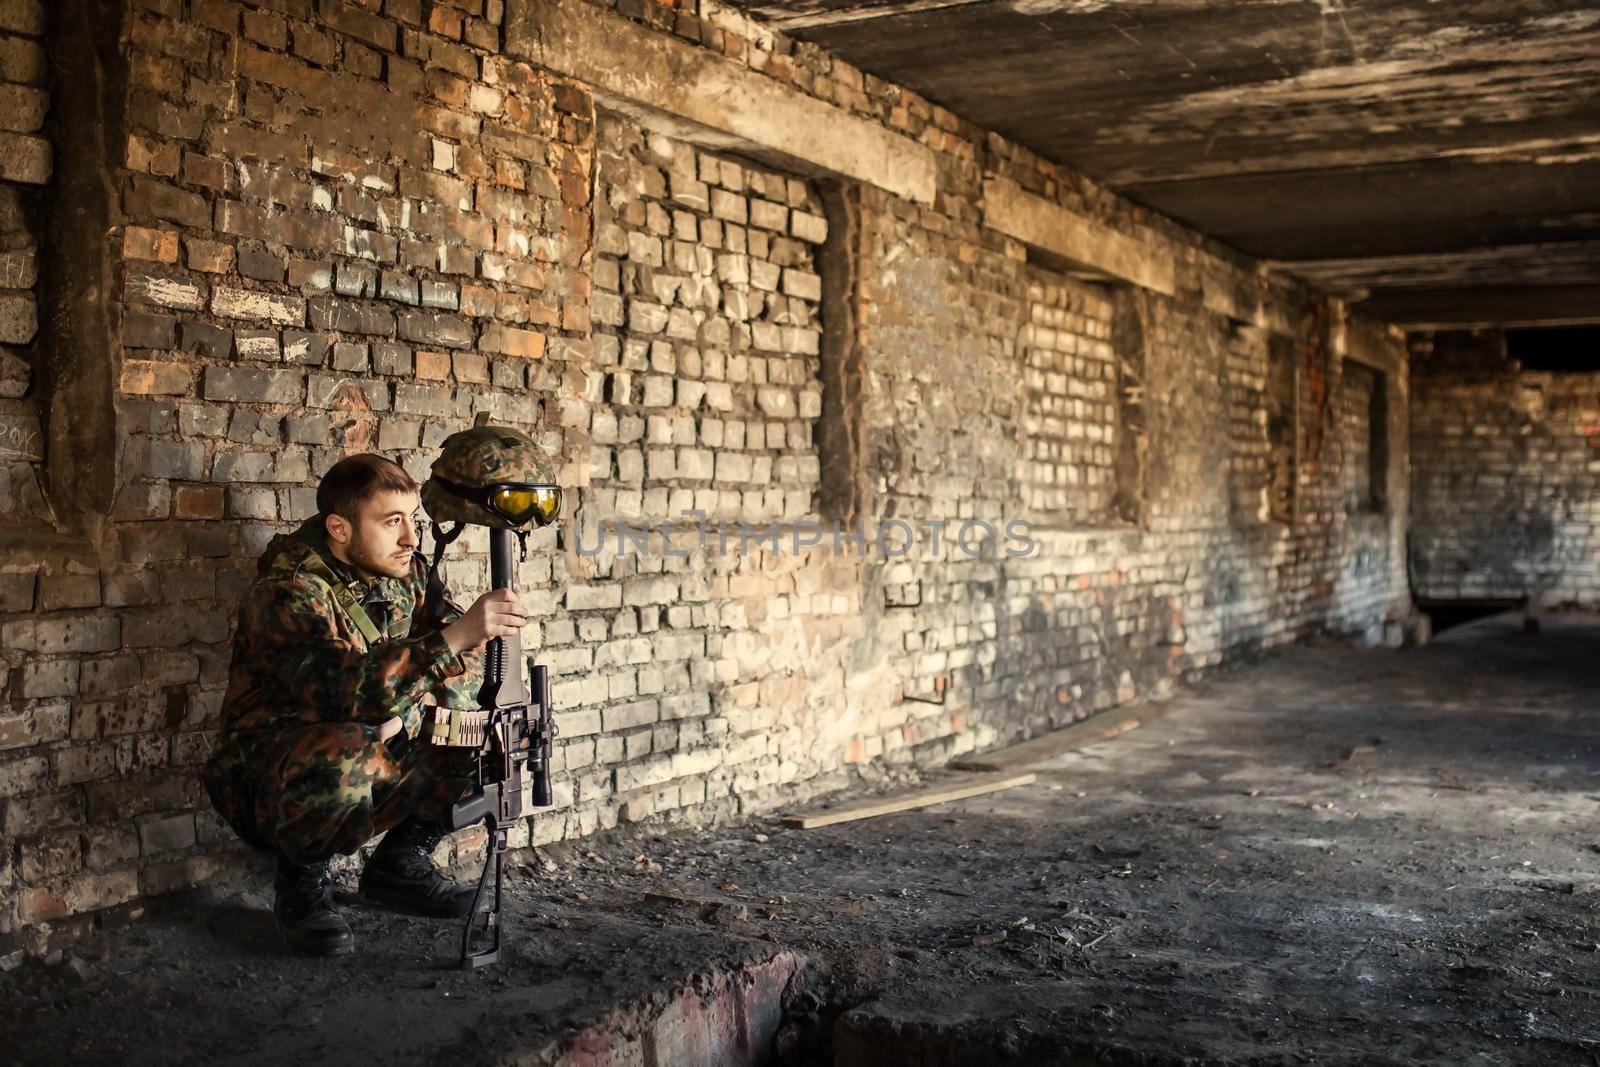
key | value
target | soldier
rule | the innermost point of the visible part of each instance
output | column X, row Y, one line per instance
column 341, row 646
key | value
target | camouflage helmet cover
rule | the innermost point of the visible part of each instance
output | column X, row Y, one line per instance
column 482, row 456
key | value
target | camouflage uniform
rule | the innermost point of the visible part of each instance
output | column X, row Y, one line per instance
column 299, row 769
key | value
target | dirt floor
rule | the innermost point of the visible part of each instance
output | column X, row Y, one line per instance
column 1333, row 856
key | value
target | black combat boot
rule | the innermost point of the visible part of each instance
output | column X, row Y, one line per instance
column 304, row 909
column 401, row 874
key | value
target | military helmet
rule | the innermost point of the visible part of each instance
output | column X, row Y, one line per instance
column 492, row 476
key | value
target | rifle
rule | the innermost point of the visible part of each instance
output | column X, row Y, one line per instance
column 513, row 766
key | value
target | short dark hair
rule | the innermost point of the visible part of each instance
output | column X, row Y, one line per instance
column 354, row 480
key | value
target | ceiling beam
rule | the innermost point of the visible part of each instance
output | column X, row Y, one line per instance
column 1555, row 263
column 1296, row 163
column 1487, row 306
column 790, row 16
column 782, row 19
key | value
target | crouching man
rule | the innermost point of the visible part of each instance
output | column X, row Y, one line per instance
column 341, row 648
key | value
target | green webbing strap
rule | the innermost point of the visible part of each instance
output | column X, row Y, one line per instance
column 343, row 597
column 341, row 592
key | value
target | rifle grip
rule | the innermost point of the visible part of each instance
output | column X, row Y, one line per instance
column 473, row 809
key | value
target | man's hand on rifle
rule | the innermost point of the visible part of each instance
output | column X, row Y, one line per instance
column 497, row 613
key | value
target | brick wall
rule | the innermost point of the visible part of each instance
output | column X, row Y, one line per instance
column 25, row 160
column 345, row 226
column 1505, row 477
column 1356, row 400
column 338, row 230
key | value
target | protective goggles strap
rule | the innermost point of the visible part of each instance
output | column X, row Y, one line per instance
column 441, row 541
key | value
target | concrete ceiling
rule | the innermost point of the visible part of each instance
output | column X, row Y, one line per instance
column 1438, row 158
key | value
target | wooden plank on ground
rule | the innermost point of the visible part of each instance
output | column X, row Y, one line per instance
column 916, row 798
column 1100, row 728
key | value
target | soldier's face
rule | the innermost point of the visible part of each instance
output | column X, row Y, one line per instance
column 383, row 537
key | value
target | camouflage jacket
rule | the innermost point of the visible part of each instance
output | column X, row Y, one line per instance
column 299, row 657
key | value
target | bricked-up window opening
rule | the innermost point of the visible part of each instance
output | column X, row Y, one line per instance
column 1250, row 449
column 1366, row 450
column 706, row 310
column 1283, row 428
column 1070, row 419
column 1557, row 349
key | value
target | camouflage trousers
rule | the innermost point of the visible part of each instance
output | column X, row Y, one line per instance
column 309, row 792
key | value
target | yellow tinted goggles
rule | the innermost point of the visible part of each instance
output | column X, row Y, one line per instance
column 518, row 504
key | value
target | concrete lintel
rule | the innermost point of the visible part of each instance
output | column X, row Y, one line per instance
column 1056, row 231
column 711, row 100
column 1228, row 289
column 1376, row 344
column 1283, row 317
